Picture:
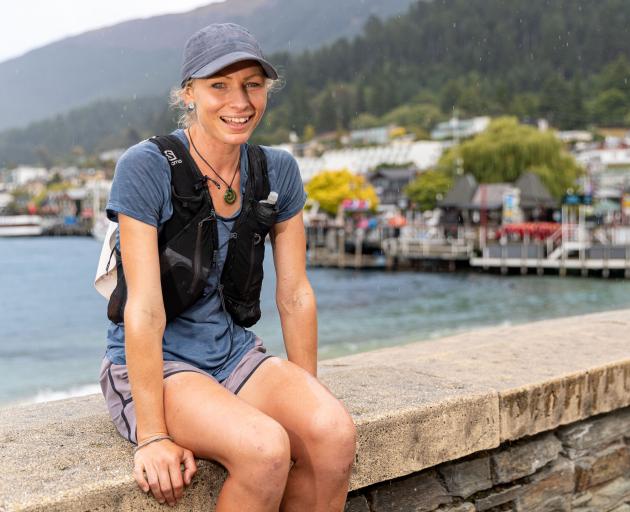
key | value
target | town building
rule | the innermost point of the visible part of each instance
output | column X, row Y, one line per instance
column 455, row 128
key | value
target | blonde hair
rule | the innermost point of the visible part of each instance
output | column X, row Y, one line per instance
column 186, row 118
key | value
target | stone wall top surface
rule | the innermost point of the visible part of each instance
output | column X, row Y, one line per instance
column 415, row 406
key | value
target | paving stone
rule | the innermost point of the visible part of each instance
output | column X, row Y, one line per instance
column 608, row 464
column 497, row 498
column 420, row 493
column 467, row 477
column 524, row 458
column 581, row 438
column 552, row 482
column 357, row 503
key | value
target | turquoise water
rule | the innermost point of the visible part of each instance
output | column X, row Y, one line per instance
column 53, row 324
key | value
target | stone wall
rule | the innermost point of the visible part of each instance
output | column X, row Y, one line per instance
column 583, row 467
column 527, row 417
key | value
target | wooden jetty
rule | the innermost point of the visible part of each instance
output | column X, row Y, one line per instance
column 429, row 254
column 580, row 259
column 333, row 247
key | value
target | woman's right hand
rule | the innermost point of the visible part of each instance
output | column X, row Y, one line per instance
column 157, row 467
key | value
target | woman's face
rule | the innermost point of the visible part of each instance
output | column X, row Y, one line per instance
column 230, row 104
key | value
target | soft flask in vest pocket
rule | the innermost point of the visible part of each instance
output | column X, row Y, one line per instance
column 242, row 277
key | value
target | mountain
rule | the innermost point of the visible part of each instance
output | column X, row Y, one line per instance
column 563, row 60
column 142, row 57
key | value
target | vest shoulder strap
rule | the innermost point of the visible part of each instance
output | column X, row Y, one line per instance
column 259, row 176
column 185, row 178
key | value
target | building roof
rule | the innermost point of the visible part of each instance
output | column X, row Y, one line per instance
column 461, row 193
column 490, row 196
column 394, row 173
column 467, row 194
column 533, row 192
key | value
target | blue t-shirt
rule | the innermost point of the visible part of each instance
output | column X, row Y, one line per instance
column 142, row 190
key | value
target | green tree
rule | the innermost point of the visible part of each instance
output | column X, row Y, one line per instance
column 425, row 190
column 615, row 75
column 610, row 107
column 414, row 116
column 506, row 149
column 327, row 114
column 365, row 120
column 330, row 188
column 554, row 101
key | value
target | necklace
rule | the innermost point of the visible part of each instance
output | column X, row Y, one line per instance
column 230, row 195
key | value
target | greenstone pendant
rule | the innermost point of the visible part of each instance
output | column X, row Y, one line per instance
column 230, row 196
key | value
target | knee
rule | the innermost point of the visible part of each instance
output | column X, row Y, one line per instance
column 332, row 434
column 267, row 458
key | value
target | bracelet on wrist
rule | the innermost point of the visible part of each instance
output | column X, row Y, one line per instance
column 153, row 434
column 152, row 439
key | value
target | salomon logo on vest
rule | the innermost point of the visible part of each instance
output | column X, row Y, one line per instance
column 172, row 157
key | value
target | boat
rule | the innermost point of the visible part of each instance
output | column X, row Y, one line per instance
column 21, row 225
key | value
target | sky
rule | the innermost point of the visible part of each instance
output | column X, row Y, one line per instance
column 29, row 24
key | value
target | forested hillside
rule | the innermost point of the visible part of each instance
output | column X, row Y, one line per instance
column 565, row 60
column 142, row 57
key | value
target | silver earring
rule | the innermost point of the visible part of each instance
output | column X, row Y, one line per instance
column 190, row 106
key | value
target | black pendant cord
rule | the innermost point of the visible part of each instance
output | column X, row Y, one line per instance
column 230, row 196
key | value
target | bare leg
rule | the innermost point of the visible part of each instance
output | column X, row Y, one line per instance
column 321, row 433
column 214, row 424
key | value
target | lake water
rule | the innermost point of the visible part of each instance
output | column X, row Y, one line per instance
column 53, row 322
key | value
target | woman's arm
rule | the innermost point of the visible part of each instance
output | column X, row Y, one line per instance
column 294, row 296
column 157, row 465
column 144, row 323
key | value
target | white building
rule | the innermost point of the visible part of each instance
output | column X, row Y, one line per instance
column 421, row 154
column 22, row 175
column 460, row 128
column 607, row 165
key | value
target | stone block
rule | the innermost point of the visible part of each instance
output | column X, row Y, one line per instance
column 524, row 458
column 552, row 482
column 607, row 496
column 606, row 465
column 403, row 429
column 418, row 493
column 581, row 438
column 543, row 406
column 624, row 507
column 498, row 498
column 462, row 507
column 357, row 503
column 581, row 499
column 467, row 477
column 556, row 504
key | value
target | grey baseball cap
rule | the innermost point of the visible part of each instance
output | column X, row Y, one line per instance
column 218, row 45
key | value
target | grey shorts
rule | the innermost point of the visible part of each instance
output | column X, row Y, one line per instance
column 117, row 391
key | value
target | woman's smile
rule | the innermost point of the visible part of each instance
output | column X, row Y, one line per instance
column 237, row 123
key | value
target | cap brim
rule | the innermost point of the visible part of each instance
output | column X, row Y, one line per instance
column 231, row 58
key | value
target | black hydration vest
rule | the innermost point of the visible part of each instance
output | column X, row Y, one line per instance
column 188, row 242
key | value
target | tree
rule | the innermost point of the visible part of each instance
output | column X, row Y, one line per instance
column 422, row 115
column 615, row 75
column 327, row 115
column 330, row 188
column 425, row 190
column 506, row 149
column 365, row 120
column 610, row 107
column 555, row 100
